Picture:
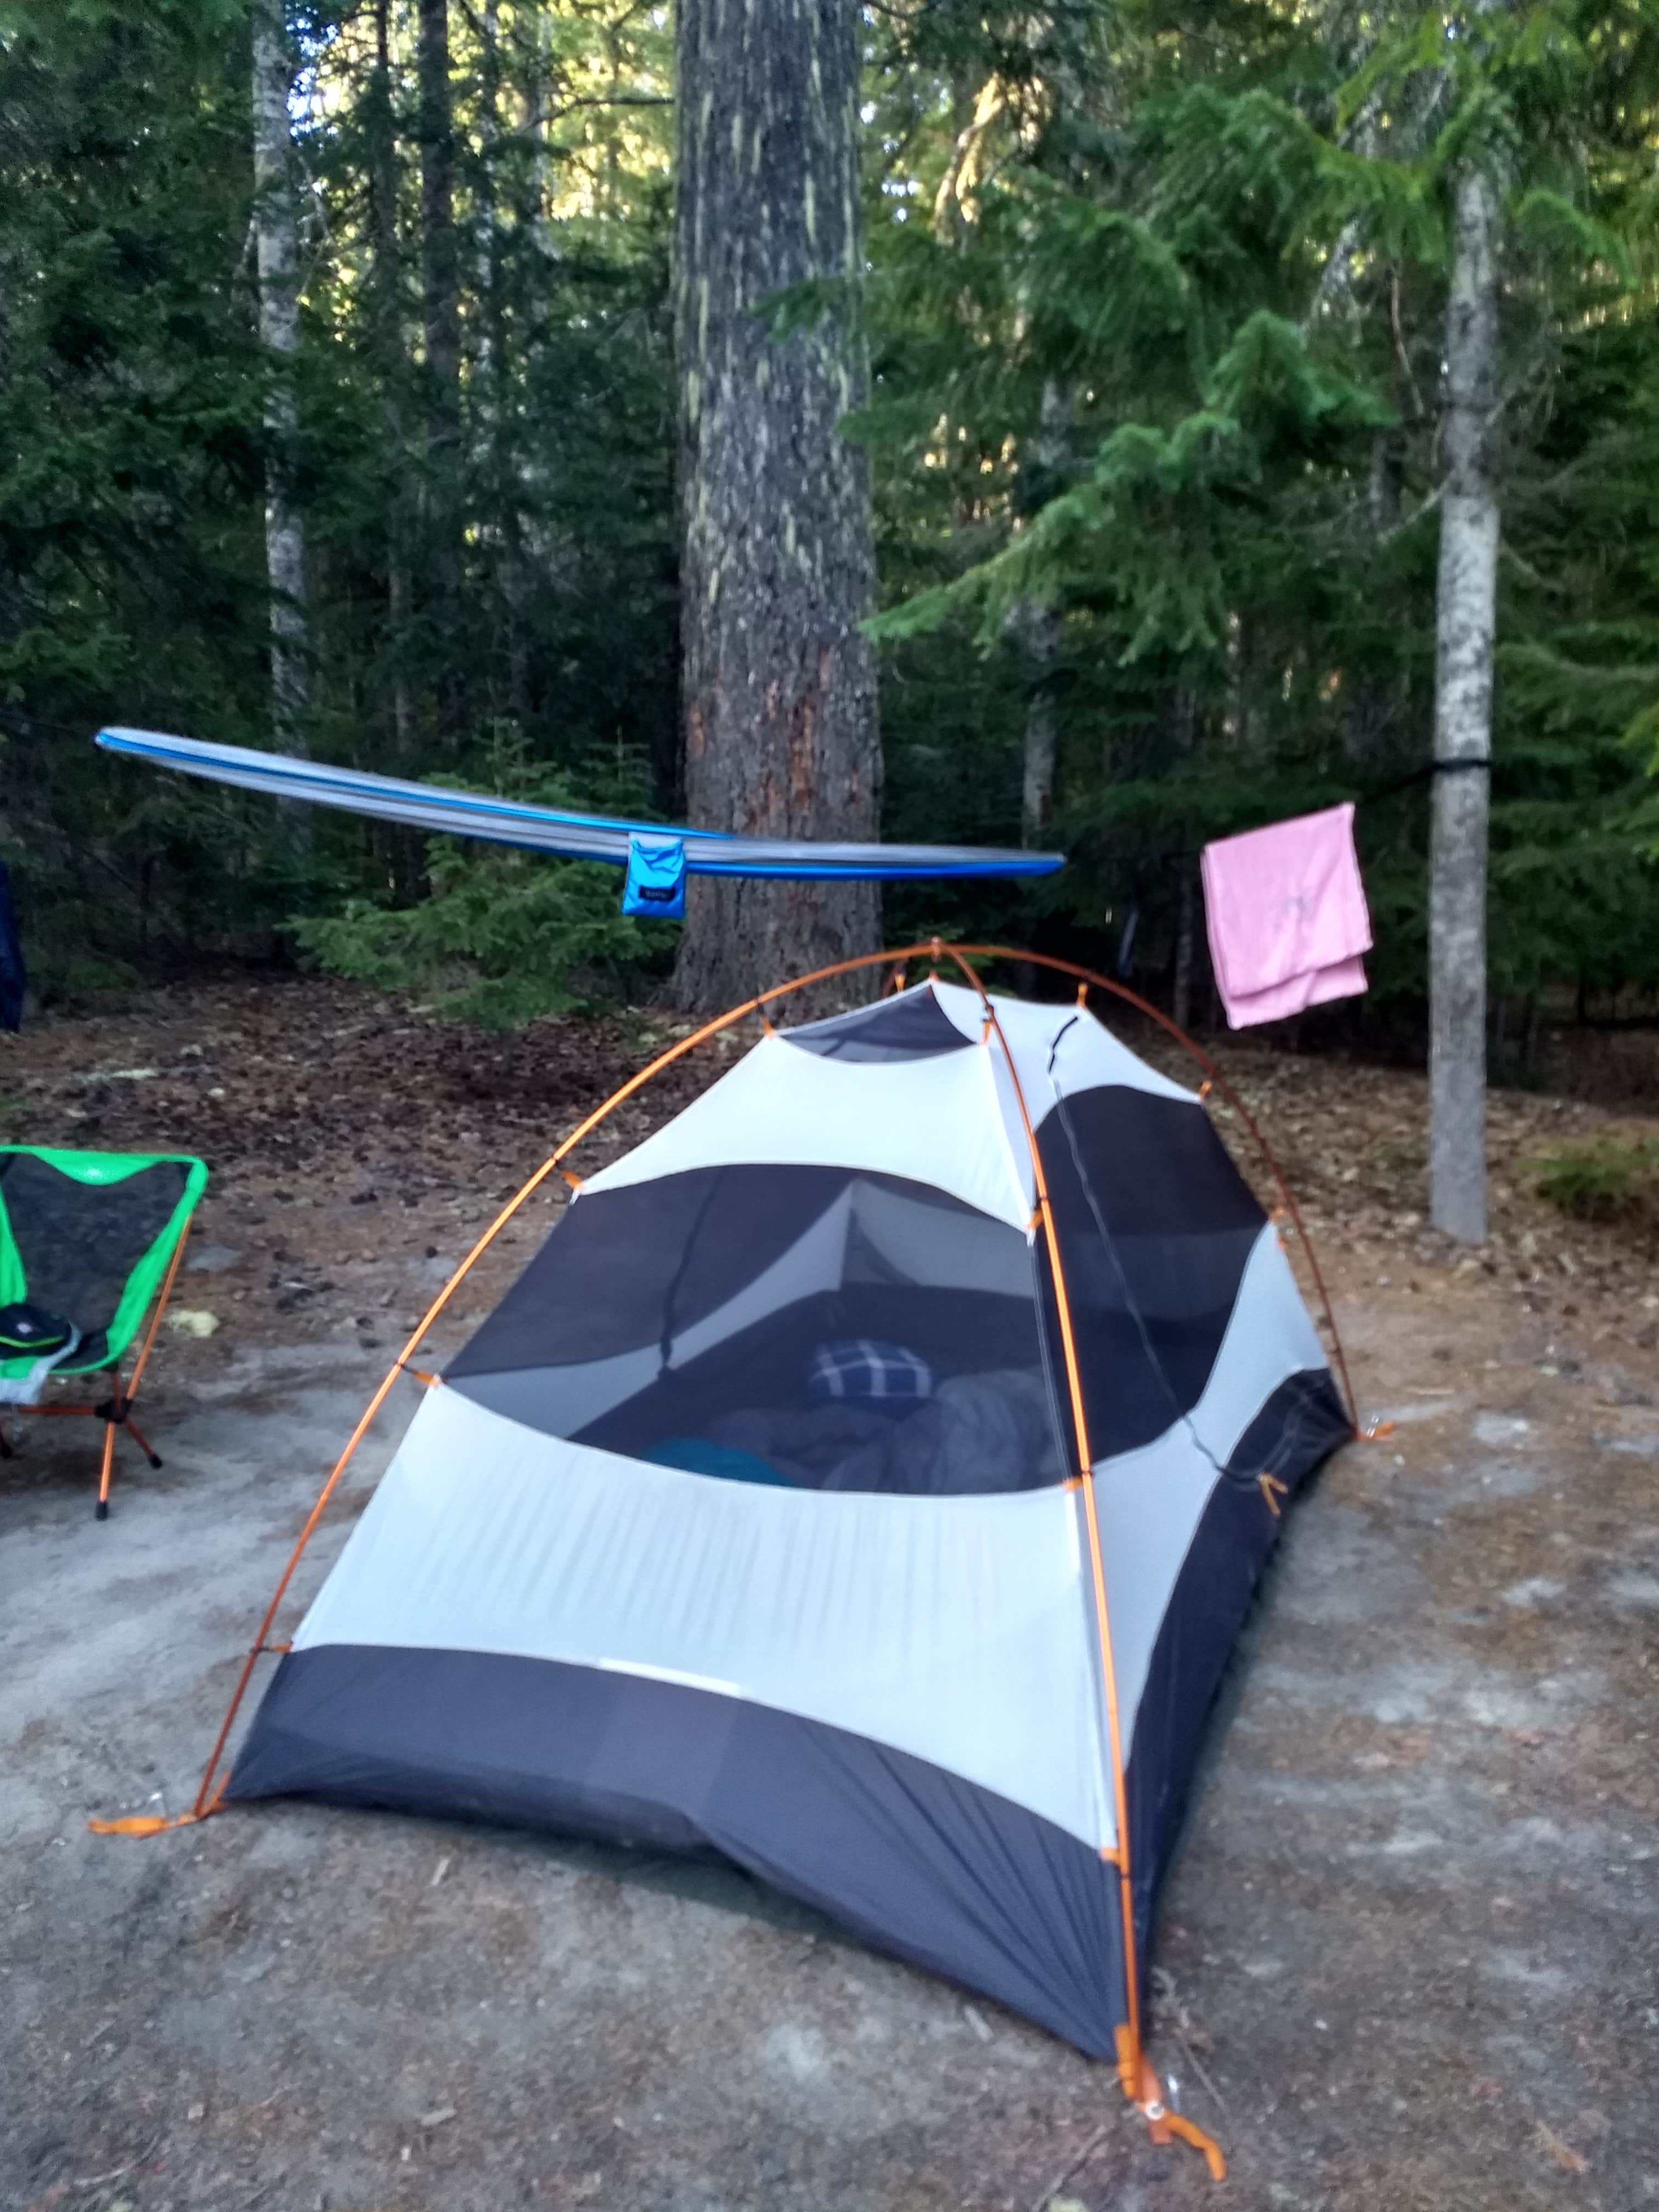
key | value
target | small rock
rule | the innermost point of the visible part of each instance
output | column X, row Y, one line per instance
column 211, row 1259
column 193, row 1321
column 196, row 2112
column 438, row 2117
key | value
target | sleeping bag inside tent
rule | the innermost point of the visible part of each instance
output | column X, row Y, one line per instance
column 755, row 1517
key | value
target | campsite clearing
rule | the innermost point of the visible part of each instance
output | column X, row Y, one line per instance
column 1412, row 1948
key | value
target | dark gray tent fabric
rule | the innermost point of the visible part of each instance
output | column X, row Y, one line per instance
column 1156, row 1226
column 1292, row 1436
column 912, row 1026
column 951, row 1877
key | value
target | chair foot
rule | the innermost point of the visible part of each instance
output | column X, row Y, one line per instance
column 100, row 1510
column 140, row 1439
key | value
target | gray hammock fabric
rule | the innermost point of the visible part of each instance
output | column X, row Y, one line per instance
column 547, row 830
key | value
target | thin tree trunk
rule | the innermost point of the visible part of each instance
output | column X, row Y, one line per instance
column 1040, row 629
column 779, row 683
column 441, row 273
column 388, row 327
column 1180, row 996
column 441, row 262
column 1185, row 736
column 1465, row 623
column 493, row 437
column 277, row 251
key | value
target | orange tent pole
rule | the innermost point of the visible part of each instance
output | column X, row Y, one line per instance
column 1090, row 976
column 1086, row 1476
column 210, row 1797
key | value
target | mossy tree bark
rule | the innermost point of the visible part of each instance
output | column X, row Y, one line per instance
column 778, row 683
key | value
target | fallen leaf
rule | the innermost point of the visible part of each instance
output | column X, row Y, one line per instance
column 1560, row 2154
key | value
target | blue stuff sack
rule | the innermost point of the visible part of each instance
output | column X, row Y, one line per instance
column 656, row 878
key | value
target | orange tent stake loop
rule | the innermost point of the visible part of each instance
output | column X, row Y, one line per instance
column 1163, row 2124
column 1273, row 1490
column 143, row 1824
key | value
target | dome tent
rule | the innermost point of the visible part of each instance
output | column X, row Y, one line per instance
column 867, row 1479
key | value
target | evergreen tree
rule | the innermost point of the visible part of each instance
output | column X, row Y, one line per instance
column 778, row 565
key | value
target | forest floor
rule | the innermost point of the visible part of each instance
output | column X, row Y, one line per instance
column 1410, row 1953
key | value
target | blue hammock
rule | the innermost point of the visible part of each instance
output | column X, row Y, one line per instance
column 572, row 836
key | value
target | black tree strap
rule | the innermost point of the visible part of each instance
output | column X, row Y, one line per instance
column 1423, row 775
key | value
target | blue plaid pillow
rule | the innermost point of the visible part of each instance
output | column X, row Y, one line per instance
column 862, row 1369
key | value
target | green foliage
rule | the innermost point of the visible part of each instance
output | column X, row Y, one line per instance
column 1222, row 253
column 1602, row 1180
column 517, row 563
column 501, row 936
column 1155, row 298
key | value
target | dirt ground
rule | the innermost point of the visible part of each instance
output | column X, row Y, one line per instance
column 1409, row 1955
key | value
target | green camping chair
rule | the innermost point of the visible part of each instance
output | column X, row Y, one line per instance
column 94, row 1240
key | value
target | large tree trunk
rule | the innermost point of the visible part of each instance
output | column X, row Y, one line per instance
column 779, row 687
column 277, row 253
column 1465, row 623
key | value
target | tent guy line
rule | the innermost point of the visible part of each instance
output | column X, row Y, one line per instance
column 564, row 835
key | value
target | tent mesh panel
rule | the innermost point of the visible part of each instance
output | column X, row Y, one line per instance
column 682, row 1318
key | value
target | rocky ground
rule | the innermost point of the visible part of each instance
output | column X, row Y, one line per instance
column 1411, row 1951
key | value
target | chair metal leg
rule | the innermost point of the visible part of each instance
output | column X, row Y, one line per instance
column 102, row 1510
column 141, row 1440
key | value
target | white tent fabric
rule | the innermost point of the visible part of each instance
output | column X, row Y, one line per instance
column 958, row 1629
column 1083, row 1050
column 932, row 1121
column 924, row 1118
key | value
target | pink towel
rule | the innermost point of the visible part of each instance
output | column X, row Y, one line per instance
column 1287, row 917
